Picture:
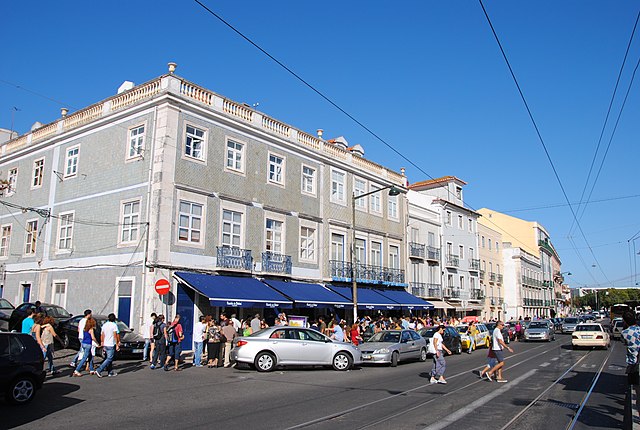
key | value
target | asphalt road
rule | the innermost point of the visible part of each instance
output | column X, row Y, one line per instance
column 548, row 383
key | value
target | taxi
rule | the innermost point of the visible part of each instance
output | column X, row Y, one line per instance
column 482, row 337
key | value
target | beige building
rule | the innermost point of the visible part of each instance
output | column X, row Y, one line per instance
column 491, row 271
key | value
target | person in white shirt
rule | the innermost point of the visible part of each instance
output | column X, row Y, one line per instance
column 81, row 325
column 497, row 346
column 110, row 340
column 235, row 322
column 147, row 333
column 198, row 339
column 439, row 364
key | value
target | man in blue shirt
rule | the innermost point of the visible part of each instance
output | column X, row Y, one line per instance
column 27, row 323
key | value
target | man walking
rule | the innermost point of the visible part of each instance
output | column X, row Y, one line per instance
column 81, row 325
column 147, row 333
column 497, row 346
column 439, row 364
column 230, row 333
column 28, row 322
column 631, row 339
column 175, row 336
column 110, row 340
column 198, row 339
column 160, row 343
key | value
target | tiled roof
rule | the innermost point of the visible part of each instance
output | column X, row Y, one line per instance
column 435, row 182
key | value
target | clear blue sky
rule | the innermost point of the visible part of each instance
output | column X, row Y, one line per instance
column 426, row 76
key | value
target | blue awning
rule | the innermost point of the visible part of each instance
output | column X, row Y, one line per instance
column 233, row 291
column 406, row 300
column 307, row 295
column 367, row 298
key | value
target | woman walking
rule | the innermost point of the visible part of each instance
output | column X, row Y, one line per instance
column 47, row 336
column 214, row 338
column 439, row 365
column 88, row 340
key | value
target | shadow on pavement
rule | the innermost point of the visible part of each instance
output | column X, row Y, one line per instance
column 51, row 398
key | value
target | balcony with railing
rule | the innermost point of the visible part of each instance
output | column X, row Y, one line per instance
column 492, row 277
column 496, row 301
column 453, row 260
column 452, row 293
column 434, row 291
column 499, row 278
column 231, row 257
column 418, row 289
column 482, row 274
column 477, row 294
column 433, row 254
column 272, row 262
column 417, row 250
column 474, row 264
column 366, row 274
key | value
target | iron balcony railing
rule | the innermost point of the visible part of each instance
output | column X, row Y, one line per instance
column 496, row 301
column 492, row 277
column 417, row 250
column 434, row 290
column 341, row 271
column 477, row 294
column 433, row 253
column 418, row 289
column 453, row 260
column 272, row 262
column 482, row 275
column 499, row 279
column 474, row 264
column 231, row 257
column 453, row 293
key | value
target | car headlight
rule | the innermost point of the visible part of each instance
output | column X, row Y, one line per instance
column 381, row 351
column 526, row 332
column 464, row 337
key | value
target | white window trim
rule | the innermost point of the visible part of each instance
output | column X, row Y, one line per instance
column 362, row 204
column 205, row 145
column 389, row 215
column 234, row 207
column 283, row 239
column 58, row 237
column 314, row 193
column 8, row 242
column 26, row 235
column 283, row 168
column 346, row 250
column 33, row 174
column 66, row 162
column 66, row 290
column 313, row 226
column 333, row 199
column 381, row 249
column 117, row 296
column 376, row 195
column 122, row 244
column 191, row 198
column 12, row 190
column 143, row 148
column 243, row 154
column 395, row 245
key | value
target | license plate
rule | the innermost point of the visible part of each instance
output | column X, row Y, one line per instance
column 586, row 337
column 137, row 351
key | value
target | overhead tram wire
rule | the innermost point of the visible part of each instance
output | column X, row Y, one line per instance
column 561, row 205
column 537, row 129
column 595, row 155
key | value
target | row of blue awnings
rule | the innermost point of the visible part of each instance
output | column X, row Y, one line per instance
column 247, row 292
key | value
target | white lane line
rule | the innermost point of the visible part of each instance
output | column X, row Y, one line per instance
column 473, row 407
column 545, row 364
column 555, row 358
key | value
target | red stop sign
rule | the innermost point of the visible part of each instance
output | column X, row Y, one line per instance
column 162, row 286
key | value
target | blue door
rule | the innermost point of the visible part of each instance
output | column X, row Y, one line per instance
column 124, row 309
column 185, row 306
column 26, row 293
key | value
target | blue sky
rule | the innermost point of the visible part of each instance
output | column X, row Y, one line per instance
column 426, row 76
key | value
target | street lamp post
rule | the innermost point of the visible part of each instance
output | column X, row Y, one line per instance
column 393, row 191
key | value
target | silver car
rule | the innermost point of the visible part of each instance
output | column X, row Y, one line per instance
column 540, row 330
column 569, row 324
column 281, row 346
column 393, row 346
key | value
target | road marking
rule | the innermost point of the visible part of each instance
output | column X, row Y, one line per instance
column 545, row 364
column 473, row 407
column 588, row 366
column 555, row 358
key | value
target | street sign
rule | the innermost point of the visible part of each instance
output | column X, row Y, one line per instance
column 162, row 286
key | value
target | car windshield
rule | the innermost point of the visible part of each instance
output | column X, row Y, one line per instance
column 617, row 324
column 462, row 328
column 428, row 332
column 56, row 312
column 588, row 327
column 386, row 336
column 122, row 327
column 491, row 326
column 571, row 320
column 4, row 304
column 538, row 325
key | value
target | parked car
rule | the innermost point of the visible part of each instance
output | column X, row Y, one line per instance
column 131, row 344
column 6, row 309
column 491, row 326
column 540, row 330
column 590, row 334
column 482, row 337
column 56, row 312
column 282, row 346
column 617, row 325
column 393, row 347
column 21, row 367
column 451, row 338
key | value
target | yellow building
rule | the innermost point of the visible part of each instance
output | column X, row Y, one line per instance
column 491, row 271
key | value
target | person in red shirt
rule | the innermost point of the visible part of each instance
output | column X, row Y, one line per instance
column 354, row 334
column 174, row 335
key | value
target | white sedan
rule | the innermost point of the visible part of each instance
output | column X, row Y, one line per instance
column 590, row 334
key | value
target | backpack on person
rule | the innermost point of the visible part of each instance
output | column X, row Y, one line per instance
column 171, row 334
column 157, row 331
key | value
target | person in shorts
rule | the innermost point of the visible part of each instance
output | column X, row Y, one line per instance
column 175, row 335
column 498, row 346
column 631, row 339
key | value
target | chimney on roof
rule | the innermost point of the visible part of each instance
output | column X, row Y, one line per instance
column 126, row 86
column 320, row 131
column 402, row 171
column 358, row 150
column 172, row 67
column 64, row 112
column 36, row 125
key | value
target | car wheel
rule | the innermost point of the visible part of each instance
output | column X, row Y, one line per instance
column 575, row 347
column 265, row 362
column 394, row 359
column 65, row 341
column 459, row 349
column 342, row 361
column 21, row 390
column 423, row 354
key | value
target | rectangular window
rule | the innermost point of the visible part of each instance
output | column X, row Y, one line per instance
column 190, row 222
column 194, row 143
column 461, row 251
column 59, row 293
column 5, row 241
column 447, row 218
column 65, row 231
column 273, row 235
column 337, row 186
column 471, row 255
column 337, row 247
column 360, row 188
column 71, row 162
column 449, row 248
column 12, row 181
column 459, row 193
column 235, row 156
column 394, row 257
column 308, row 180
column 38, row 173
column 393, row 207
column 376, row 254
column 483, row 241
column 489, row 240
column 461, row 282
column 496, row 244
column 130, row 222
column 361, row 251
column 31, row 237
column 276, row 169
column 307, row 244
column 450, row 281
column 432, row 238
column 136, row 142
column 375, row 200
column 470, row 225
column 231, row 228
column 460, row 225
